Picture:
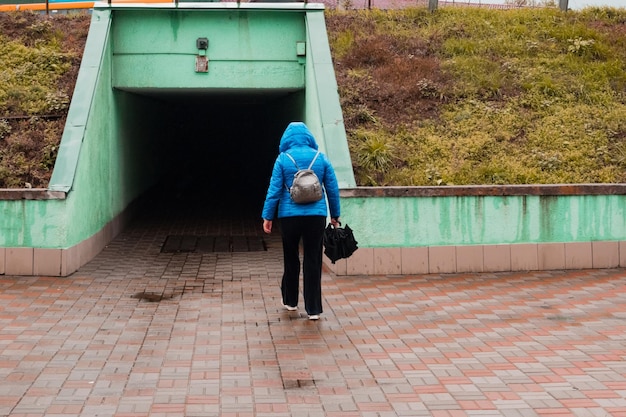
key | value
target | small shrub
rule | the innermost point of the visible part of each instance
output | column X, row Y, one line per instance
column 57, row 102
column 578, row 46
column 374, row 154
column 5, row 128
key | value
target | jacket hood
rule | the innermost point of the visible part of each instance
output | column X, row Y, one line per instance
column 297, row 134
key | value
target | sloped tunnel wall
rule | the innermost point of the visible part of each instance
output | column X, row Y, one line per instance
column 215, row 152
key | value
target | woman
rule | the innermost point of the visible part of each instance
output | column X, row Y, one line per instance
column 304, row 222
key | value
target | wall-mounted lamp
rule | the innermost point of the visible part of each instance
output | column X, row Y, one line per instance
column 301, row 48
column 202, row 60
column 301, row 51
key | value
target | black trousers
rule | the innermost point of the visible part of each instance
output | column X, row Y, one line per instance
column 309, row 229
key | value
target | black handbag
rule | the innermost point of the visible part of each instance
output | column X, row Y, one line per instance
column 339, row 242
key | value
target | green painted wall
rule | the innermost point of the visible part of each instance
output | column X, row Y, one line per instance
column 115, row 151
column 32, row 223
column 482, row 220
column 91, row 203
column 323, row 110
column 247, row 49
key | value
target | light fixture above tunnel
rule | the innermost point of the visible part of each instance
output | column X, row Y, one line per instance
column 301, row 51
column 202, row 60
column 301, row 48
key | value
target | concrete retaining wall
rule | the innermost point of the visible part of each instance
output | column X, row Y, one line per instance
column 414, row 230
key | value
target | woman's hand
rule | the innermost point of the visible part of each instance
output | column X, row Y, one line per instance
column 267, row 226
column 335, row 221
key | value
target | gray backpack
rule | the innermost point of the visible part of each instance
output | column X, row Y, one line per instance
column 306, row 187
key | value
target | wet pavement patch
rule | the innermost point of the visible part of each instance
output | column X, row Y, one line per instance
column 210, row 244
column 152, row 297
column 298, row 383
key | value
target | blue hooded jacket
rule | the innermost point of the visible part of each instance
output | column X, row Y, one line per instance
column 299, row 142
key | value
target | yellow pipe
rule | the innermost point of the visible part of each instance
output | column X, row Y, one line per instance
column 66, row 5
column 42, row 6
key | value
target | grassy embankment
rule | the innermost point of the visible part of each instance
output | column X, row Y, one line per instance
column 460, row 96
column 477, row 96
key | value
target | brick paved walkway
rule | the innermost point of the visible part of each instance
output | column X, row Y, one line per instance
column 141, row 333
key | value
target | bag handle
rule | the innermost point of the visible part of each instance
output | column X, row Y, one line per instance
column 333, row 226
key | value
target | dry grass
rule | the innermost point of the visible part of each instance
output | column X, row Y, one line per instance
column 475, row 96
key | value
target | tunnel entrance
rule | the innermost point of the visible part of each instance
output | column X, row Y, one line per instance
column 146, row 123
column 215, row 151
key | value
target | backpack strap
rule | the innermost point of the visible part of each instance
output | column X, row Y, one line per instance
column 296, row 164
column 313, row 161
column 294, row 161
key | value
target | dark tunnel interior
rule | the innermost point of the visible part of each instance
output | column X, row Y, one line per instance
column 217, row 159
